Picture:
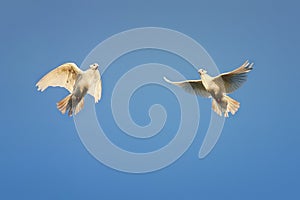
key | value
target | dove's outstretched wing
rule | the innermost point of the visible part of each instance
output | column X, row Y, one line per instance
column 96, row 87
column 234, row 79
column 191, row 86
column 62, row 76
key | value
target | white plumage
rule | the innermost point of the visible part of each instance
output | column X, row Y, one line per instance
column 77, row 82
column 218, row 87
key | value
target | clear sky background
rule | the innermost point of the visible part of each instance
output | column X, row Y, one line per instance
column 257, row 156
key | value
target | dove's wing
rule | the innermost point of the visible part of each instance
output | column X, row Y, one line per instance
column 191, row 86
column 62, row 76
column 96, row 87
column 234, row 79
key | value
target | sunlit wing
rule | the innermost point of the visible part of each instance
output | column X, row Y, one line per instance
column 234, row 79
column 62, row 76
column 96, row 88
column 191, row 86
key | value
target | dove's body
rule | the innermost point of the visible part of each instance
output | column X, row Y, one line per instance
column 214, row 90
column 76, row 99
column 83, row 83
column 218, row 94
column 218, row 87
column 77, row 82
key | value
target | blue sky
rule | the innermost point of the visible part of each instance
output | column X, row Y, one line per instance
column 257, row 156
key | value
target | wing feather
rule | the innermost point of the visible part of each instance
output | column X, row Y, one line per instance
column 63, row 76
column 191, row 86
column 234, row 79
column 96, row 88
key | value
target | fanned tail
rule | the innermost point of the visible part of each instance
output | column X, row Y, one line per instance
column 216, row 107
column 70, row 104
column 227, row 105
column 232, row 106
column 64, row 104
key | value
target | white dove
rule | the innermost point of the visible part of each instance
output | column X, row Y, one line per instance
column 77, row 82
column 218, row 87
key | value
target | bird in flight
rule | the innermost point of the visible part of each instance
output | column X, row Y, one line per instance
column 77, row 82
column 218, row 87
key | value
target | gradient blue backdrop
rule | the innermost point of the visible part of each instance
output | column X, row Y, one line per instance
column 257, row 156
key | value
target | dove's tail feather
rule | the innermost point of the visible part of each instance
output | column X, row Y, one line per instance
column 226, row 106
column 216, row 107
column 70, row 103
column 64, row 104
column 232, row 106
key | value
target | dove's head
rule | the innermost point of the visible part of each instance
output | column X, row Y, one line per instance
column 94, row 66
column 202, row 71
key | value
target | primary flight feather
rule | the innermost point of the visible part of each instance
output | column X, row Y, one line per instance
column 77, row 82
column 218, row 87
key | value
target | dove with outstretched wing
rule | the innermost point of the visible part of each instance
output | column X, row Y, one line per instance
column 77, row 82
column 218, row 87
